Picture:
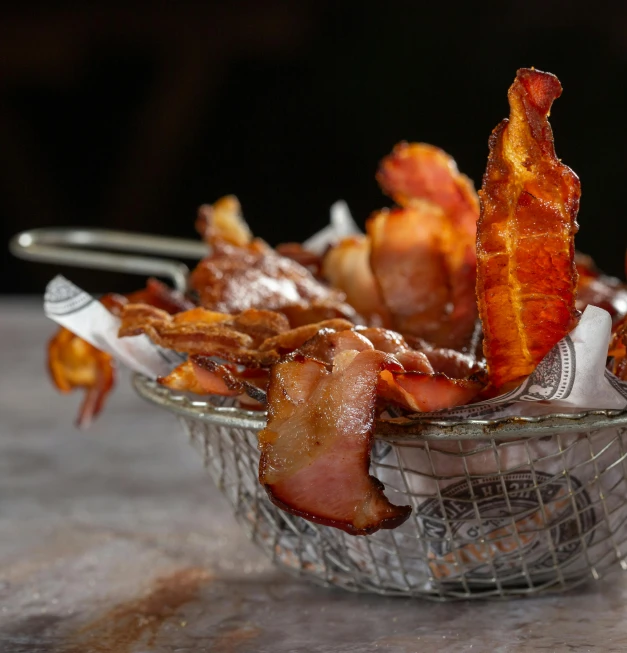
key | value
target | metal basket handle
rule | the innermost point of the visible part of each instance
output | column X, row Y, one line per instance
column 84, row 248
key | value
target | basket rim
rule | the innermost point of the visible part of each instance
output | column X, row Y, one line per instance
column 397, row 429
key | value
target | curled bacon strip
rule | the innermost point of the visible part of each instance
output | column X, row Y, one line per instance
column 347, row 267
column 423, row 392
column 188, row 377
column 438, row 224
column 410, row 268
column 74, row 363
column 243, row 273
column 222, row 222
column 234, row 279
column 253, row 338
column 315, row 454
column 204, row 376
column 526, row 277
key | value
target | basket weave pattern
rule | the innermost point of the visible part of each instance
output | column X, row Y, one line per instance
column 518, row 530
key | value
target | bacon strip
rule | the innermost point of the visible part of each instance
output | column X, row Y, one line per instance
column 74, row 363
column 425, row 172
column 410, row 268
column 315, row 454
column 222, row 222
column 188, row 377
column 526, row 282
column 597, row 289
column 347, row 267
column 425, row 393
column 234, row 279
column 204, row 376
column 438, row 222
column 252, row 338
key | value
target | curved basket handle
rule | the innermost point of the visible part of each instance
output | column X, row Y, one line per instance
column 82, row 248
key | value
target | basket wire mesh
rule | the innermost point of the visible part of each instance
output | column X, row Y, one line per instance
column 492, row 517
column 501, row 508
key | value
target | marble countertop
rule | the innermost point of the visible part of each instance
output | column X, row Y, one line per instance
column 115, row 540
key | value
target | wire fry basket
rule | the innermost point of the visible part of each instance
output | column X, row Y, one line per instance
column 501, row 508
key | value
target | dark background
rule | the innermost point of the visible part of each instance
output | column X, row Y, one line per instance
column 129, row 115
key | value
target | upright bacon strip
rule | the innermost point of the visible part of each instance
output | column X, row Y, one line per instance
column 423, row 253
column 315, row 450
column 526, row 277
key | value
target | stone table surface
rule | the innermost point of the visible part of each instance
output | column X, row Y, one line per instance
column 115, row 540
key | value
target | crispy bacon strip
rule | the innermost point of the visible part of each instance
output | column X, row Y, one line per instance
column 205, row 376
column 252, row 338
column 425, row 393
column 526, row 280
column 236, row 338
column 157, row 294
column 291, row 340
column 347, row 267
column 234, row 279
column 315, row 454
column 423, row 178
column 74, row 363
column 303, row 314
column 188, row 377
column 249, row 383
column 306, row 258
column 222, row 222
column 419, row 171
column 242, row 272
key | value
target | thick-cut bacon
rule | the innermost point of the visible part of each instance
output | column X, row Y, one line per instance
column 347, row 267
column 412, row 384
column 526, row 277
column 74, row 363
column 315, row 450
column 439, row 223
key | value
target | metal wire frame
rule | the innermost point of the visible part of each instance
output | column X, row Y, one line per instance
column 536, row 511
